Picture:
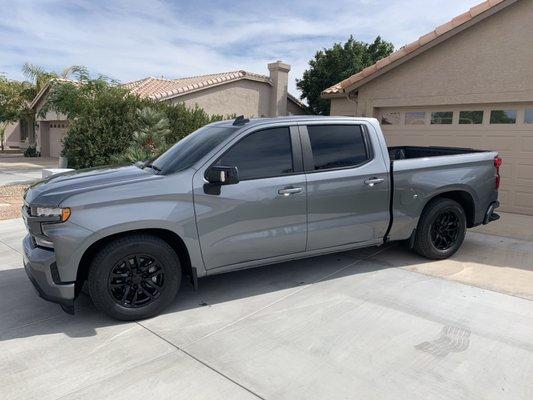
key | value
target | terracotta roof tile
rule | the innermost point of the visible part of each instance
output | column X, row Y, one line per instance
column 160, row 88
column 411, row 47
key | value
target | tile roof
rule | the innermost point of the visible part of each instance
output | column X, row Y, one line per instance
column 160, row 88
column 410, row 48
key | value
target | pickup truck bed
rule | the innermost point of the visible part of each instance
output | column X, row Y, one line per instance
column 408, row 152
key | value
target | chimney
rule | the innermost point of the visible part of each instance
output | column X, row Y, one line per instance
column 279, row 75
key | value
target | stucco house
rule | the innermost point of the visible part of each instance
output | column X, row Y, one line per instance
column 468, row 83
column 227, row 93
column 18, row 133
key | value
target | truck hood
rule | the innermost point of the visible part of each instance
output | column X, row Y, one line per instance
column 52, row 191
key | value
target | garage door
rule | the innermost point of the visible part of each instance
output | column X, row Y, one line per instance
column 57, row 133
column 506, row 128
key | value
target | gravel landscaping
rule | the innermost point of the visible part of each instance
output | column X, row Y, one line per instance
column 11, row 201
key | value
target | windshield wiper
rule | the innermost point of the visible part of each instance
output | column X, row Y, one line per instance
column 153, row 167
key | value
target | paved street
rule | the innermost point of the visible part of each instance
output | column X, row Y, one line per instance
column 18, row 169
column 378, row 323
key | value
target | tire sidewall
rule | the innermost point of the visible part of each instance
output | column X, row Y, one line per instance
column 107, row 259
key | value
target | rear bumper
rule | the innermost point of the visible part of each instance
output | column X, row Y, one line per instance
column 39, row 264
column 490, row 215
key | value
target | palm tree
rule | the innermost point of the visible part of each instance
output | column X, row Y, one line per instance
column 39, row 77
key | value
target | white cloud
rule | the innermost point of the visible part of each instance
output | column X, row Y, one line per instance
column 129, row 40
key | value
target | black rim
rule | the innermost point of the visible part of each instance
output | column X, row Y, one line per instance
column 136, row 281
column 445, row 230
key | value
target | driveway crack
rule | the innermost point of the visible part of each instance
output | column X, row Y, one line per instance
column 205, row 364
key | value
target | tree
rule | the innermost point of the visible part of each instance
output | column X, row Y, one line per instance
column 330, row 66
column 39, row 76
column 105, row 124
column 14, row 98
column 150, row 139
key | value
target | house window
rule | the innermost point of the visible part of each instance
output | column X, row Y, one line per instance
column 390, row 118
column 503, row 116
column 441, row 118
column 415, row 118
column 528, row 118
column 471, row 117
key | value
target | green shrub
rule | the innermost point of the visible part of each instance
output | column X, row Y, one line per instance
column 32, row 152
column 107, row 122
column 149, row 140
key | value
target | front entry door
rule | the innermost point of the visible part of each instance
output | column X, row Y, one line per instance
column 265, row 214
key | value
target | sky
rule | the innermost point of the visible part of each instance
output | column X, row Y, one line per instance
column 129, row 40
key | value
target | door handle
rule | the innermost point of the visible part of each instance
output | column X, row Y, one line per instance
column 373, row 181
column 290, row 190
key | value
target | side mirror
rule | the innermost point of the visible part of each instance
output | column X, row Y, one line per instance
column 221, row 175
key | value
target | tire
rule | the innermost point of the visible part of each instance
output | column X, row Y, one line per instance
column 145, row 264
column 441, row 229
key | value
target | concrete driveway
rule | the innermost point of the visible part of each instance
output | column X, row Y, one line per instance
column 378, row 323
column 18, row 169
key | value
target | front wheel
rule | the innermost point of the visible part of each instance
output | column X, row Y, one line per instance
column 441, row 229
column 134, row 277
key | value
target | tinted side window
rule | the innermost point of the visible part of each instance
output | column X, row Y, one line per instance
column 337, row 146
column 261, row 154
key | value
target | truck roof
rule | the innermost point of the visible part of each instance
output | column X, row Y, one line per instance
column 292, row 119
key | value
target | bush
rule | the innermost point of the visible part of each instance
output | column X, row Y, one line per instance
column 150, row 140
column 105, row 119
column 32, row 152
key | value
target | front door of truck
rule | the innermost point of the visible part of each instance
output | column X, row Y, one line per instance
column 264, row 215
column 347, row 185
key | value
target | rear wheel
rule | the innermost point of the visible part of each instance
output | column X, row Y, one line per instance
column 134, row 277
column 441, row 229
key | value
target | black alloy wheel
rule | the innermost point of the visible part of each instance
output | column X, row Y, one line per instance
column 445, row 230
column 136, row 280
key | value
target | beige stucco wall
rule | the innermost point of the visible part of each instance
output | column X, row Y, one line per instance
column 491, row 62
column 244, row 97
column 12, row 135
column 341, row 106
column 294, row 109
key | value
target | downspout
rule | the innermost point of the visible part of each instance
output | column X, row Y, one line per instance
column 353, row 99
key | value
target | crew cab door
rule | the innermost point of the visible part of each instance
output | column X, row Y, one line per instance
column 347, row 185
column 264, row 215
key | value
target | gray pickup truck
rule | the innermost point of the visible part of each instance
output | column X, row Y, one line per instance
column 239, row 194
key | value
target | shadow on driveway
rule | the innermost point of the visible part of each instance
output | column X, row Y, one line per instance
column 24, row 314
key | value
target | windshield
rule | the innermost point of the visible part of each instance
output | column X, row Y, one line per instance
column 192, row 148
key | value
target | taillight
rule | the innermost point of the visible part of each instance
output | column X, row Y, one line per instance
column 497, row 163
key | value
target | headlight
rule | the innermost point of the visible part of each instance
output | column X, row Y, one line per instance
column 62, row 213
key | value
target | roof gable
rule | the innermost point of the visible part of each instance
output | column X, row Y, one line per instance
column 424, row 43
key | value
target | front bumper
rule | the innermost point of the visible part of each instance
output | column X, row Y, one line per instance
column 39, row 264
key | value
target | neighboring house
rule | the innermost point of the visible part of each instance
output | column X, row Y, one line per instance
column 19, row 135
column 226, row 93
column 469, row 83
column 237, row 92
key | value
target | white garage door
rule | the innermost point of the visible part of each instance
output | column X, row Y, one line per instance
column 57, row 132
column 506, row 128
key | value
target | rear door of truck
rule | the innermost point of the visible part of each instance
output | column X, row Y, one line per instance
column 347, row 184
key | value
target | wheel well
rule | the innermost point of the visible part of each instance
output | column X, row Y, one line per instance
column 168, row 236
column 464, row 199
